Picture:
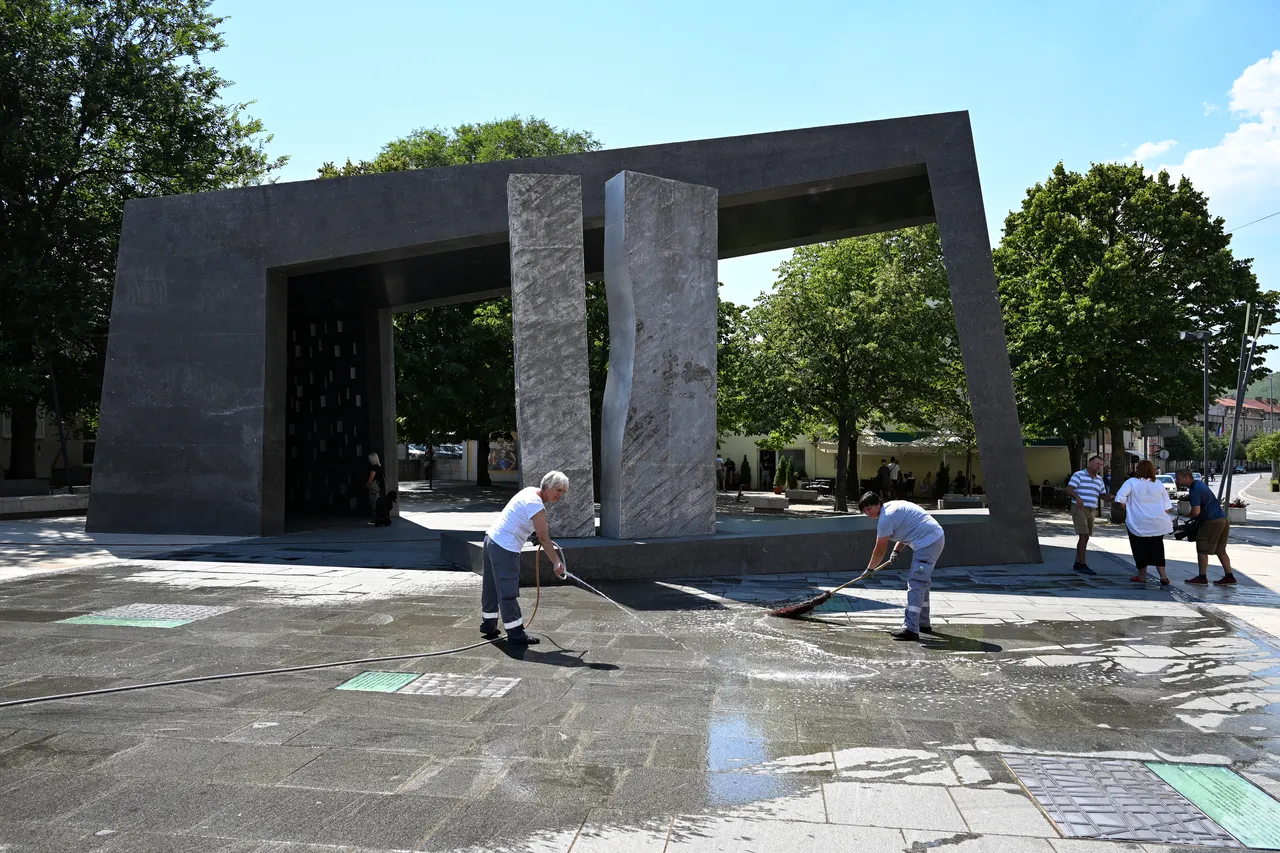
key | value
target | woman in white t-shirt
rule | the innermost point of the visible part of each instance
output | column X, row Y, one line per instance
column 1148, row 517
column 500, row 578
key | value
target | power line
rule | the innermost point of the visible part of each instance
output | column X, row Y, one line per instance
column 1247, row 224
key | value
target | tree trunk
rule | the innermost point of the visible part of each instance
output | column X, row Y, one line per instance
column 1119, row 466
column 842, row 465
column 1075, row 450
column 22, row 449
column 482, row 461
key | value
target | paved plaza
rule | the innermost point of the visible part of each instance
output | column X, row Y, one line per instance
column 702, row 724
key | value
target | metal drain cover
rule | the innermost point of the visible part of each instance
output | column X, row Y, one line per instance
column 474, row 686
column 148, row 615
column 1114, row 800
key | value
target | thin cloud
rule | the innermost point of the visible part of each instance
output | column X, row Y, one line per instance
column 1210, row 109
column 1147, row 150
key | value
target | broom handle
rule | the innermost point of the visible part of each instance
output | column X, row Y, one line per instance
column 863, row 575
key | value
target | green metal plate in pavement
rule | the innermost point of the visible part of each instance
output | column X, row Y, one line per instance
column 379, row 682
column 1239, row 807
column 122, row 622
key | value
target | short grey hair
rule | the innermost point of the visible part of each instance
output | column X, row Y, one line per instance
column 555, row 480
column 373, row 459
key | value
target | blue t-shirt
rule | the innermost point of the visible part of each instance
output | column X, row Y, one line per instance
column 1203, row 497
column 903, row 521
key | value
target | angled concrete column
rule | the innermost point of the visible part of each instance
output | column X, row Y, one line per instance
column 658, row 427
column 549, row 321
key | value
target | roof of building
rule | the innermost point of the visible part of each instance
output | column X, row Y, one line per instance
column 1254, row 403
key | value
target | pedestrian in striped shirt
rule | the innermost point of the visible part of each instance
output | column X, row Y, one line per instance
column 1085, row 487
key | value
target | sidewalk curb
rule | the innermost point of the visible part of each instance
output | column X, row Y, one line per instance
column 1263, row 483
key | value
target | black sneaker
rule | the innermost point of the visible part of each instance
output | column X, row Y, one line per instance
column 926, row 629
column 1198, row 579
column 517, row 637
column 1083, row 569
column 904, row 634
column 489, row 629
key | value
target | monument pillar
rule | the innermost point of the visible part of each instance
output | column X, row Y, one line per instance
column 658, row 426
column 549, row 323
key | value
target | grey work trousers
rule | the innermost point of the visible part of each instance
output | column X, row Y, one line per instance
column 919, row 582
column 500, row 585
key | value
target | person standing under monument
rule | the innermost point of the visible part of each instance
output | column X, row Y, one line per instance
column 882, row 480
column 895, row 476
column 376, row 485
column 1085, row 487
column 904, row 523
column 719, row 473
column 500, row 578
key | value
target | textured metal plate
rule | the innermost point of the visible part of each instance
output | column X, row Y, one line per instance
column 121, row 622
column 448, row 684
column 1114, row 800
column 1244, row 810
column 379, row 682
column 189, row 612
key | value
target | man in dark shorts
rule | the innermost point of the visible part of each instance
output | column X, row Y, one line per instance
column 1211, row 539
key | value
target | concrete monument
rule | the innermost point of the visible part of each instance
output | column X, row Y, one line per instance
column 658, row 425
column 549, row 323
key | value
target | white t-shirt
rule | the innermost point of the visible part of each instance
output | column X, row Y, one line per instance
column 513, row 527
column 1146, row 507
column 903, row 521
column 894, row 470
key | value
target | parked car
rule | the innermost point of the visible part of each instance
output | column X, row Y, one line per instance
column 1169, row 482
column 1239, row 469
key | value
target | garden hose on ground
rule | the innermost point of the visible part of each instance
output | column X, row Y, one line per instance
column 198, row 679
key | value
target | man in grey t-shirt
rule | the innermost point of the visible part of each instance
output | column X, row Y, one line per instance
column 904, row 523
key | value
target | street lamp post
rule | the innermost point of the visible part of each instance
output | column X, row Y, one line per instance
column 1204, row 336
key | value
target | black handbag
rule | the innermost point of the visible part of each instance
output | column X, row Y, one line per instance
column 1189, row 529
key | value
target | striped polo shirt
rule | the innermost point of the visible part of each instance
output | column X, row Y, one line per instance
column 1087, row 487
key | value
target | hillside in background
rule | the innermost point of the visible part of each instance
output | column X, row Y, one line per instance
column 1262, row 388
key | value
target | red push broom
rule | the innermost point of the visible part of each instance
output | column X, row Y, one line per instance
column 791, row 611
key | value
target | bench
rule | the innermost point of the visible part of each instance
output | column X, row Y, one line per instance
column 768, row 503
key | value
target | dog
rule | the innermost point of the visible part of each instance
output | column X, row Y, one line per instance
column 384, row 508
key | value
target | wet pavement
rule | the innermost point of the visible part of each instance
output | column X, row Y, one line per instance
column 735, row 731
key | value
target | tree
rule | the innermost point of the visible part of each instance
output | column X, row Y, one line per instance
column 1265, row 447
column 100, row 102
column 1183, row 447
column 1098, row 273
column 848, row 334
column 455, row 371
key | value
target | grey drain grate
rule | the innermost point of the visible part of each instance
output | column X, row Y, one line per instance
column 1114, row 800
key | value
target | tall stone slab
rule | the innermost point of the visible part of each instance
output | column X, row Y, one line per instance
column 658, row 426
column 549, row 321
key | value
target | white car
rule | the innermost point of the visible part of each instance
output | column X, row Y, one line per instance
column 1169, row 482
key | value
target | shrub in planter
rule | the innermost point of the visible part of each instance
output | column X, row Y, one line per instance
column 780, row 475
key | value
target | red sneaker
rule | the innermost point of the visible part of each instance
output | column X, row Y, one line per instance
column 1227, row 580
column 1198, row 579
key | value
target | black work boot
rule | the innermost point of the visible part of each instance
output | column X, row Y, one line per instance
column 517, row 637
column 904, row 634
column 489, row 629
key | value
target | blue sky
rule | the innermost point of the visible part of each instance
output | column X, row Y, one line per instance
column 1194, row 86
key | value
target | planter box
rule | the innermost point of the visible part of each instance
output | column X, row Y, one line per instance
column 767, row 503
column 802, row 496
column 1237, row 514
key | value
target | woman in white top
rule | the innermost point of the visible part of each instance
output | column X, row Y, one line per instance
column 1148, row 514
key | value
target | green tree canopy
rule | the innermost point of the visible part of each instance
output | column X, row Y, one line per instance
column 1265, row 447
column 455, row 372
column 851, row 333
column 100, row 103
column 1098, row 273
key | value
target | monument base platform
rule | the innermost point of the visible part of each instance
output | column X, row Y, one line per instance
column 747, row 545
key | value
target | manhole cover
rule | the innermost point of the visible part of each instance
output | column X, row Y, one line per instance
column 148, row 615
column 1247, row 812
column 379, row 682
column 447, row 684
column 1114, row 800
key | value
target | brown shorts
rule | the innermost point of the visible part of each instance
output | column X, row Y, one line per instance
column 1212, row 536
column 1082, row 520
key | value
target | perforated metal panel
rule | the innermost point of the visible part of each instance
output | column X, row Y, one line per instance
column 447, row 684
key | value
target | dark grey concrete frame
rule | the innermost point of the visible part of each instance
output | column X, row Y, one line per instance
column 192, row 422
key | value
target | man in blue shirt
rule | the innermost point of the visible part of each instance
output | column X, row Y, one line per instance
column 904, row 523
column 1214, row 527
